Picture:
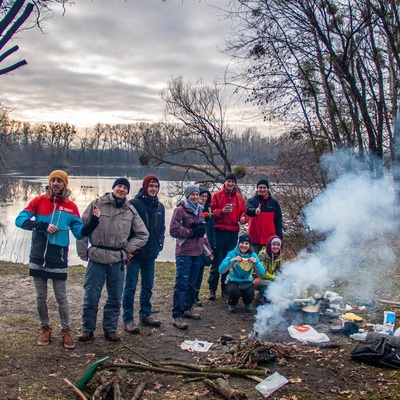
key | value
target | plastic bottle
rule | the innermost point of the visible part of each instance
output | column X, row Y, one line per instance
column 359, row 336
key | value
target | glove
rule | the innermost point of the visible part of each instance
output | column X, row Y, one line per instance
column 200, row 231
column 193, row 225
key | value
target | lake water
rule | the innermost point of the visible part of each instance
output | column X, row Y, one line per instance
column 17, row 190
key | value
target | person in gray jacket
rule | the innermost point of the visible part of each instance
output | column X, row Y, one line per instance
column 121, row 233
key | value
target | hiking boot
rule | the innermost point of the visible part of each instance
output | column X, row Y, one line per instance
column 180, row 323
column 231, row 309
column 68, row 341
column 112, row 336
column 248, row 308
column 191, row 315
column 130, row 327
column 211, row 295
column 86, row 336
column 148, row 321
column 44, row 336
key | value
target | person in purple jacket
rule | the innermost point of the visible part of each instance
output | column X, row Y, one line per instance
column 188, row 227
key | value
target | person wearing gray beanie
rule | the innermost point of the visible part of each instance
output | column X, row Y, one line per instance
column 191, row 189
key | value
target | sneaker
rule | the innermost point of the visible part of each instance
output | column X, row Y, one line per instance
column 211, row 295
column 231, row 309
column 191, row 315
column 130, row 327
column 248, row 308
column 198, row 303
column 112, row 336
column 68, row 341
column 148, row 321
column 180, row 323
column 86, row 336
column 44, row 336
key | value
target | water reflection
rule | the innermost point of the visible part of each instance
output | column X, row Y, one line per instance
column 17, row 190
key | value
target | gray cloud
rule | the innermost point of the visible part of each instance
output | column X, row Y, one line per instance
column 106, row 61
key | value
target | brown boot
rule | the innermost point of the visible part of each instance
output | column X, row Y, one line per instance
column 112, row 336
column 86, row 336
column 191, row 315
column 180, row 323
column 67, row 339
column 44, row 336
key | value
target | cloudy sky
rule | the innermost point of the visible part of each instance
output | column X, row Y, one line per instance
column 107, row 61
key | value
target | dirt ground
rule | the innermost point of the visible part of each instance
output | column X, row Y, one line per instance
column 28, row 371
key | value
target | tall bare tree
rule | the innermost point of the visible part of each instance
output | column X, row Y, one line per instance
column 328, row 68
column 198, row 141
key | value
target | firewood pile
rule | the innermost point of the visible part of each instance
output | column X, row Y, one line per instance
column 246, row 359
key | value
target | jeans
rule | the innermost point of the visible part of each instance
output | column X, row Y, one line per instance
column 146, row 268
column 187, row 271
column 60, row 292
column 226, row 241
column 96, row 275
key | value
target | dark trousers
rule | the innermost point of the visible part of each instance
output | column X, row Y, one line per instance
column 237, row 291
column 226, row 241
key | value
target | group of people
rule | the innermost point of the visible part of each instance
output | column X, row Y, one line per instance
column 120, row 238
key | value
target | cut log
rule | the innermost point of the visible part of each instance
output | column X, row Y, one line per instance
column 222, row 387
column 138, row 391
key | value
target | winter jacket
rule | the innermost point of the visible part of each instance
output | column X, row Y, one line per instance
column 181, row 229
column 267, row 223
column 209, row 218
column 120, row 233
column 236, row 272
column 152, row 213
column 272, row 265
column 51, row 250
column 228, row 221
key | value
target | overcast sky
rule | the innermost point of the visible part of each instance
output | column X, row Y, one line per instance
column 107, row 61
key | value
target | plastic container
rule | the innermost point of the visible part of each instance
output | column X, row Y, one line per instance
column 359, row 336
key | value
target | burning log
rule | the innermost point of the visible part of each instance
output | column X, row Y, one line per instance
column 222, row 387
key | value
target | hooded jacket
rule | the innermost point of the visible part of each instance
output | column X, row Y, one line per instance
column 236, row 272
column 271, row 262
column 228, row 221
column 50, row 251
column 180, row 228
column 268, row 222
column 209, row 218
column 152, row 212
column 120, row 233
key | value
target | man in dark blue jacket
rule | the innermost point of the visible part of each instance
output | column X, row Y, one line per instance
column 152, row 213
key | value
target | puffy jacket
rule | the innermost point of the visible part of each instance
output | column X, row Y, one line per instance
column 120, row 233
column 152, row 213
column 228, row 221
column 267, row 223
column 236, row 272
column 180, row 228
column 51, row 250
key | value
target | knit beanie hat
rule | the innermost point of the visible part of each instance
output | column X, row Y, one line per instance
column 146, row 181
column 263, row 182
column 230, row 176
column 58, row 173
column 276, row 240
column 122, row 181
column 190, row 189
column 245, row 238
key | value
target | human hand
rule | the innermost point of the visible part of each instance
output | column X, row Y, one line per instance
column 238, row 259
column 96, row 211
column 52, row 229
column 84, row 258
column 200, row 231
column 227, row 209
column 252, row 260
column 258, row 210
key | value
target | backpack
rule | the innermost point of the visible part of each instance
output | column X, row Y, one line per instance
column 379, row 350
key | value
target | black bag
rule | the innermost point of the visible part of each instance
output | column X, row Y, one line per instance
column 378, row 350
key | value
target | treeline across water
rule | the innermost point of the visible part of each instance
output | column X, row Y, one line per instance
column 59, row 144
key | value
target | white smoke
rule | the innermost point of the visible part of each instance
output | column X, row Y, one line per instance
column 356, row 214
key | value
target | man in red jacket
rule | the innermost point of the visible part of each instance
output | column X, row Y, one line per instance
column 229, row 210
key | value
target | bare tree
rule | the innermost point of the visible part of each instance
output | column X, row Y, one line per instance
column 327, row 68
column 13, row 15
column 198, row 141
